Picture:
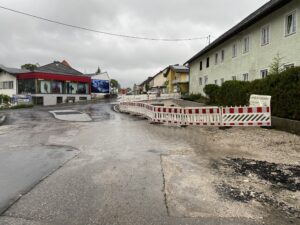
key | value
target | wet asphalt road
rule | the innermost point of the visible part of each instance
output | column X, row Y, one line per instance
column 107, row 171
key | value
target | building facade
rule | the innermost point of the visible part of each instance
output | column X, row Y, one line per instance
column 159, row 83
column 48, row 85
column 177, row 79
column 247, row 51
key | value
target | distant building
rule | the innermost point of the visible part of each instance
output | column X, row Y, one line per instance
column 145, row 85
column 246, row 51
column 8, row 80
column 51, row 84
column 159, row 82
column 177, row 79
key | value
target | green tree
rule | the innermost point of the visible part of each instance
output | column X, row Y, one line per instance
column 115, row 84
column 276, row 66
column 29, row 66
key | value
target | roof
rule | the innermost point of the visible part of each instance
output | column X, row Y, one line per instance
column 259, row 14
column 58, row 68
column 146, row 81
column 180, row 69
column 13, row 70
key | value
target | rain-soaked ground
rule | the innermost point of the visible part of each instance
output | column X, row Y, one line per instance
column 119, row 169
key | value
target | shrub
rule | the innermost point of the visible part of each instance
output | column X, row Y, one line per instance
column 234, row 93
column 195, row 98
column 284, row 88
column 22, row 106
column 4, row 98
column 212, row 91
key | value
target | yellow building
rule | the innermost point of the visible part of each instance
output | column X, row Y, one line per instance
column 177, row 79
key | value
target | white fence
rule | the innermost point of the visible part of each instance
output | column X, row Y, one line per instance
column 201, row 116
column 137, row 98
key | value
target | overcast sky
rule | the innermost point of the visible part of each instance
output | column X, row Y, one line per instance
column 27, row 40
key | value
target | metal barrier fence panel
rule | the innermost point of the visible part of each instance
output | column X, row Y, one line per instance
column 205, row 116
column 246, row 116
column 168, row 115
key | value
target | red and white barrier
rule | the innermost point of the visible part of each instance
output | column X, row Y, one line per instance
column 246, row 116
column 168, row 115
column 201, row 116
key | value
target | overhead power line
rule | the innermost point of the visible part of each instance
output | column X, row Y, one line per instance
column 103, row 32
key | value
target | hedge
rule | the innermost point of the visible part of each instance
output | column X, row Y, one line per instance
column 283, row 87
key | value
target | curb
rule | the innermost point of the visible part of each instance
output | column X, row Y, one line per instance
column 2, row 119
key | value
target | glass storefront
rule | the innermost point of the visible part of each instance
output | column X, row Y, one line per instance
column 26, row 86
column 34, row 86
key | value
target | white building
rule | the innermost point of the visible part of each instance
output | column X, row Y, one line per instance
column 246, row 51
column 8, row 80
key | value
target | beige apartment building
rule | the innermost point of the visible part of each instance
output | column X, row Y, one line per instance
column 246, row 51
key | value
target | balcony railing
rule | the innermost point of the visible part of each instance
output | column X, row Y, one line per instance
column 178, row 81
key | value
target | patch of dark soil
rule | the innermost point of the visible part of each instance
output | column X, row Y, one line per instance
column 236, row 194
column 281, row 176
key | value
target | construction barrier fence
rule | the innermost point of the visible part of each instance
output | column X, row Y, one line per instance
column 201, row 116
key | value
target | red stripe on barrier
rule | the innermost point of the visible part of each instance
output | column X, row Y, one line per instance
column 268, row 124
column 198, row 124
column 241, row 110
column 164, row 110
column 250, row 110
column 191, row 123
column 211, row 111
column 231, row 110
column 224, row 111
column 190, row 111
column 259, row 124
column 212, row 124
column 170, row 110
column 159, row 110
column 204, row 111
column 205, row 124
column 250, row 124
column 232, row 124
column 218, row 110
column 259, row 109
column 268, row 109
column 241, row 124
column 175, row 110
column 197, row 111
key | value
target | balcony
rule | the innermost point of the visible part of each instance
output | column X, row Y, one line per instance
column 181, row 81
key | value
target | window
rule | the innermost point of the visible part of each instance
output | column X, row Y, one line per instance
column 222, row 81
column 205, row 80
column 234, row 50
column 289, row 66
column 222, row 55
column 246, row 44
column 200, row 65
column 7, row 85
column 26, row 86
column 246, row 77
column 216, row 58
column 216, row 82
column 264, row 73
column 233, row 77
column 290, row 24
column 200, row 81
column 207, row 62
column 265, row 35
